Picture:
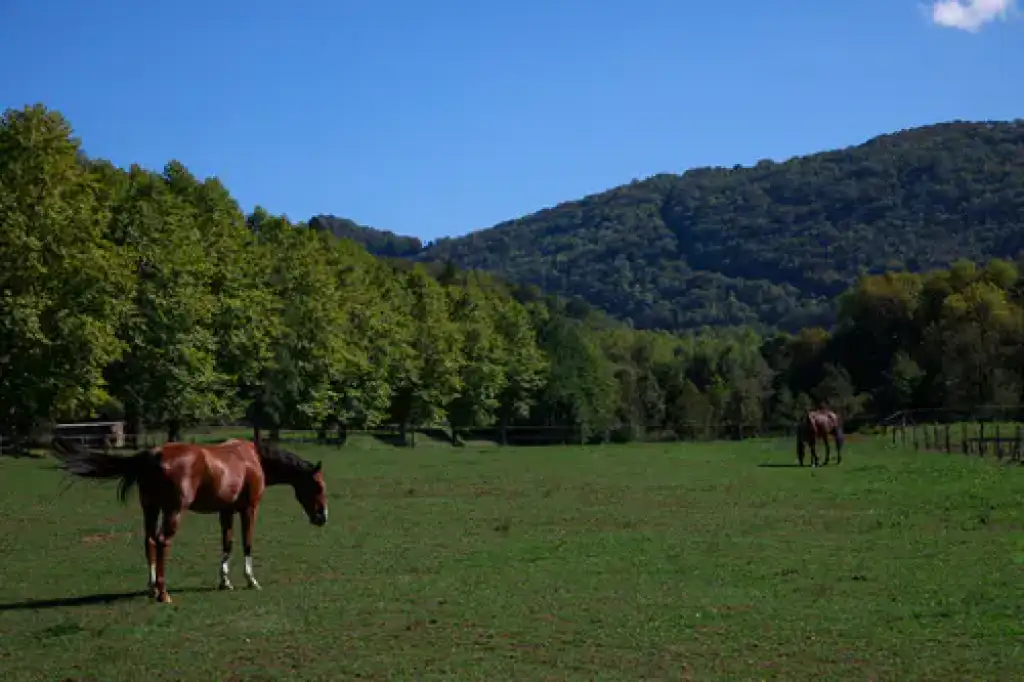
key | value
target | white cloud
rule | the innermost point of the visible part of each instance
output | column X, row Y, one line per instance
column 969, row 15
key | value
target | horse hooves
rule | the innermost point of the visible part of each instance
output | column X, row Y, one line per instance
column 164, row 598
column 225, row 586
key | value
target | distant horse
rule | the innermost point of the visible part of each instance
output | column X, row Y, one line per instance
column 817, row 425
column 208, row 479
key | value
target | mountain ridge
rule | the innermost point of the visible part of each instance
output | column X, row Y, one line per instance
column 769, row 245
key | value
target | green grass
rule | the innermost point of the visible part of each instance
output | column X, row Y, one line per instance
column 636, row 562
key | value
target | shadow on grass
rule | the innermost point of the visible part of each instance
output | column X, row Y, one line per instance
column 769, row 465
column 425, row 436
column 390, row 439
column 92, row 599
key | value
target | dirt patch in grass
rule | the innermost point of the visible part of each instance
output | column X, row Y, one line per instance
column 94, row 538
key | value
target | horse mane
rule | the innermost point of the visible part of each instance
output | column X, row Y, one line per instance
column 272, row 456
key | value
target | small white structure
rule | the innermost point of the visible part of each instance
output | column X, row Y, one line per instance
column 93, row 434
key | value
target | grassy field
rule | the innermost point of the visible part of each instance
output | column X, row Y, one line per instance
column 636, row 562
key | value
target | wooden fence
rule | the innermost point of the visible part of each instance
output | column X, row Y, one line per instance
column 1004, row 440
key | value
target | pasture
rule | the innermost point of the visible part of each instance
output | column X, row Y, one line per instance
column 681, row 561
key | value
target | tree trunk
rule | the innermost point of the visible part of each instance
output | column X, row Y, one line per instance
column 133, row 422
column 257, row 420
column 173, row 431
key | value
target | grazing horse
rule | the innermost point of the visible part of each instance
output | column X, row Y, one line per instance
column 208, row 479
column 817, row 425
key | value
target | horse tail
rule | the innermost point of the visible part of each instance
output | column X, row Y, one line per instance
column 78, row 460
column 801, row 436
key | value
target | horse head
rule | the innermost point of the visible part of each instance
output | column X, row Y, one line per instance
column 311, row 492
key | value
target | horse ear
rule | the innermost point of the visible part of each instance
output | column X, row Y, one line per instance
column 316, row 469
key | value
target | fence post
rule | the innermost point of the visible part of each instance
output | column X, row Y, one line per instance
column 981, row 438
column 949, row 450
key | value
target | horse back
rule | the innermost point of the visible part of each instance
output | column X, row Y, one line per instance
column 209, row 478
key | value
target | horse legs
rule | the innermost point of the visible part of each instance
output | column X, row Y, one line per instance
column 828, row 450
column 248, row 520
column 172, row 518
column 227, row 519
column 814, row 454
column 150, row 518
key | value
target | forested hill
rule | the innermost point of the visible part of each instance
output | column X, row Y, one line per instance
column 766, row 245
column 377, row 242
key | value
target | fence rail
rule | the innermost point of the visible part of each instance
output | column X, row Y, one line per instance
column 395, row 435
column 970, row 431
column 978, row 435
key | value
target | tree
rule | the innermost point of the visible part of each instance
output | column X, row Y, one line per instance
column 311, row 348
column 580, row 387
column 432, row 379
column 524, row 363
column 169, row 374
column 62, row 287
column 483, row 370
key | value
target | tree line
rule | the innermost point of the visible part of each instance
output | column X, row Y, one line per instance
column 152, row 296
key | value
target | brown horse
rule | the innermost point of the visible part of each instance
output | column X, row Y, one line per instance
column 817, row 425
column 209, row 479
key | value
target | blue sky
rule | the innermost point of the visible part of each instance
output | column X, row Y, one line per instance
column 438, row 118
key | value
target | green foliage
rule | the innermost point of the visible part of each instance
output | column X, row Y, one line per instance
column 769, row 245
column 63, row 287
column 169, row 374
column 152, row 294
column 378, row 242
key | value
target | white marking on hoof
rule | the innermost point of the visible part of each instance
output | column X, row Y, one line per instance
column 249, row 577
column 225, row 582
